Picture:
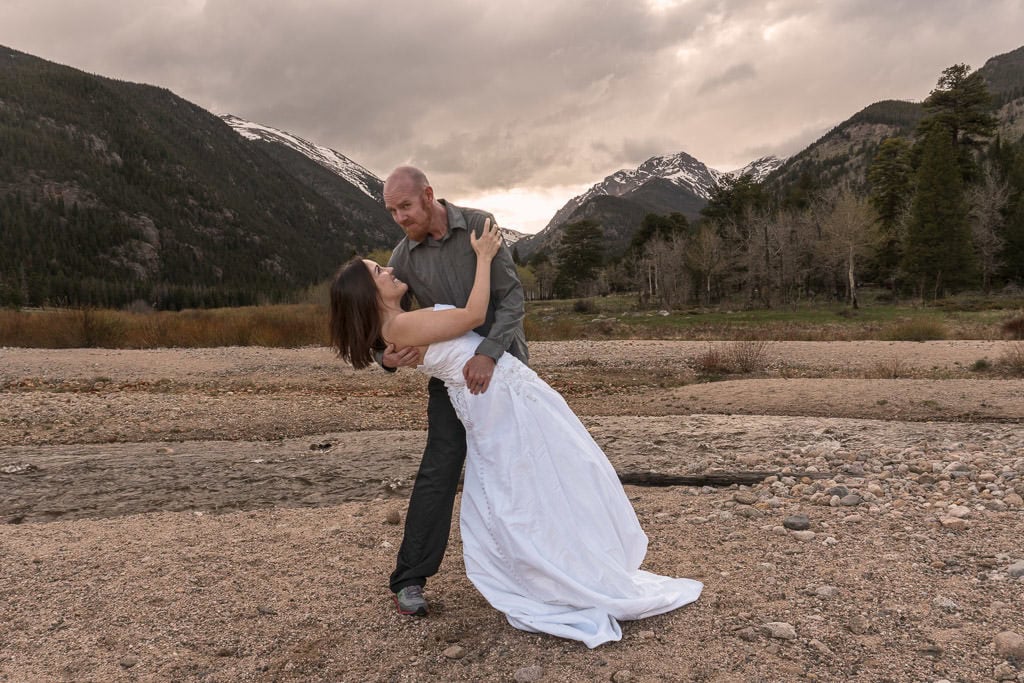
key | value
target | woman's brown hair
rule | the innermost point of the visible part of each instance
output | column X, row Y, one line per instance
column 355, row 317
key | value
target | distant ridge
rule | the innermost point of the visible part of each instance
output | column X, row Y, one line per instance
column 326, row 157
column 662, row 184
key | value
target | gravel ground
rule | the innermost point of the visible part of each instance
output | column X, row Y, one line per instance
column 227, row 515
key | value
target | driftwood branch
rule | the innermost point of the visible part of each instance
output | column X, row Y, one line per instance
column 710, row 478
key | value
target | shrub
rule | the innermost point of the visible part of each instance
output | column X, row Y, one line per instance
column 981, row 365
column 584, row 306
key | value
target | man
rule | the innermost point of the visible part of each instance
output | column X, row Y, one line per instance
column 437, row 262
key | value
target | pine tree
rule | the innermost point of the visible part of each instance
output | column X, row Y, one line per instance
column 937, row 251
column 890, row 176
column 579, row 256
column 961, row 106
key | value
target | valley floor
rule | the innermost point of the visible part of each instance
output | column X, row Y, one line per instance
column 223, row 514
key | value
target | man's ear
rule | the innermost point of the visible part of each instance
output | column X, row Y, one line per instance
column 428, row 194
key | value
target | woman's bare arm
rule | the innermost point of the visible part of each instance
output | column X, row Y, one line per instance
column 422, row 327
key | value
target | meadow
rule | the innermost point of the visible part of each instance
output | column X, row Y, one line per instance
column 599, row 318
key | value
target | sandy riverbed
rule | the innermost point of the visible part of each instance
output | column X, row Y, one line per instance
column 220, row 514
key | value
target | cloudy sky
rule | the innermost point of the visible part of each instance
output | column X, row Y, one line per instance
column 517, row 105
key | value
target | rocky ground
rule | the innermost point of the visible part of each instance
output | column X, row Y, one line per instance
column 230, row 515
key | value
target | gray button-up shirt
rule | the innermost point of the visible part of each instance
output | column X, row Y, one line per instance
column 442, row 272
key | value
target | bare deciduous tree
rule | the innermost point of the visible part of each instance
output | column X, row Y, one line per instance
column 668, row 277
column 987, row 200
column 706, row 258
column 846, row 235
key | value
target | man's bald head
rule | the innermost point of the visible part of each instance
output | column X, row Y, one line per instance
column 416, row 178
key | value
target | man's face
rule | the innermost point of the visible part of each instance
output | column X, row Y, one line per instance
column 409, row 206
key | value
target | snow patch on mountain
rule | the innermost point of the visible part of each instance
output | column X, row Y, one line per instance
column 328, row 158
column 680, row 169
column 758, row 169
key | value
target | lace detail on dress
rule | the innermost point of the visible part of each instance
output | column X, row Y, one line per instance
column 457, row 394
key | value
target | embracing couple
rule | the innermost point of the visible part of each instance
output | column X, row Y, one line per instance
column 549, row 536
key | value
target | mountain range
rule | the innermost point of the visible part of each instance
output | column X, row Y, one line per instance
column 662, row 184
column 113, row 191
column 680, row 183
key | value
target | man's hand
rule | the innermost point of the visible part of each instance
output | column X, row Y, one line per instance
column 478, row 373
column 400, row 358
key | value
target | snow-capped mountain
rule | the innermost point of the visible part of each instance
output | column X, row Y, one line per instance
column 333, row 161
column 680, row 169
column 662, row 184
column 511, row 236
column 758, row 169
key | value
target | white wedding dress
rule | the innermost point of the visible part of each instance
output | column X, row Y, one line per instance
column 549, row 537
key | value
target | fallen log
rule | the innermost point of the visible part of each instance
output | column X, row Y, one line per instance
column 717, row 478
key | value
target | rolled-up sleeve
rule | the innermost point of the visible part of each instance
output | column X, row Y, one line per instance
column 508, row 301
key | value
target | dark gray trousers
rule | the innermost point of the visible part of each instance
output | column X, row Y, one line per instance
column 429, row 518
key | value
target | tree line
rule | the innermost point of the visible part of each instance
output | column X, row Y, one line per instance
column 935, row 212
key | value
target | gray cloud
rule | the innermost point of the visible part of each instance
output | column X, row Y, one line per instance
column 734, row 74
column 491, row 96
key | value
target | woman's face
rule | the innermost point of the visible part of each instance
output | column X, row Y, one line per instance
column 388, row 286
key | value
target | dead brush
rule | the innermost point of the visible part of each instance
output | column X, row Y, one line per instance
column 712, row 361
column 1014, row 328
column 917, row 330
column 749, row 356
column 742, row 357
column 892, row 367
column 1012, row 360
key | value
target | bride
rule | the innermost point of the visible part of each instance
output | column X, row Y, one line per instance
column 549, row 537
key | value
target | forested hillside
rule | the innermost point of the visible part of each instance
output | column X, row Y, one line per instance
column 113, row 192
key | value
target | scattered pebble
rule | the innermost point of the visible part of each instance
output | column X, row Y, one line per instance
column 455, row 652
column 858, row 624
column 826, row 591
column 797, row 522
column 745, row 497
column 1004, row 672
column 780, row 630
column 528, row 674
column 959, row 511
column 954, row 523
column 1010, row 645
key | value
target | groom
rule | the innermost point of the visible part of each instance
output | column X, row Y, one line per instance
column 437, row 261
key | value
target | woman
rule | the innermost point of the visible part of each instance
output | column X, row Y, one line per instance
column 549, row 537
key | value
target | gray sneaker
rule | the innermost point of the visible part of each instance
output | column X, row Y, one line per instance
column 410, row 601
